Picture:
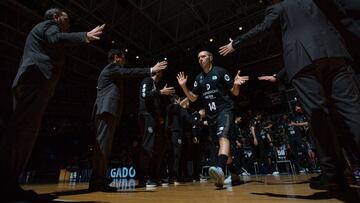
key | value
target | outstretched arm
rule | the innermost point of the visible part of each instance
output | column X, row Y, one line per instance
column 271, row 16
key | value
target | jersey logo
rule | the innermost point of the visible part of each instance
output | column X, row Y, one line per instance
column 214, row 77
column 195, row 84
column 227, row 77
column 207, row 86
column 143, row 91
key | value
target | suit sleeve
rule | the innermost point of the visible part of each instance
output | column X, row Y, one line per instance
column 54, row 36
column 271, row 16
column 125, row 73
column 147, row 90
column 281, row 74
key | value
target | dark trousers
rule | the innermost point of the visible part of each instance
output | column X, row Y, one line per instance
column 176, row 154
column 106, row 126
column 330, row 96
column 31, row 97
column 238, row 158
column 196, row 154
column 152, row 148
column 296, row 145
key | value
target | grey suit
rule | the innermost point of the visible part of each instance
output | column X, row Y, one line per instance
column 315, row 59
column 34, row 84
column 108, row 108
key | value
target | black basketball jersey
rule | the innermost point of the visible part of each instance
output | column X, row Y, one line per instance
column 214, row 88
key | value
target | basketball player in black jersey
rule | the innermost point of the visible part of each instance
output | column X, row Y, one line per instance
column 213, row 85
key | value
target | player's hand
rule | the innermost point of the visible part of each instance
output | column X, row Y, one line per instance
column 239, row 80
column 182, row 78
column 167, row 90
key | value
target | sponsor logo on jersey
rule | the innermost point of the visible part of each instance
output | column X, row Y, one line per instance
column 207, row 86
column 227, row 77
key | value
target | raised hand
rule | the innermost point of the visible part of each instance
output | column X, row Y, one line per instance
column 268, row 78
column 182, row 78
column 167, row 90
column 95, row 33
column 239, row 80
column 226, row 49
column 159, row 66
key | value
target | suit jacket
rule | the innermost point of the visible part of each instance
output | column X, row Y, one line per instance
column 345, row 15
column 44, row 49
column 306, row 34
column 344, row 12
column 110, row 87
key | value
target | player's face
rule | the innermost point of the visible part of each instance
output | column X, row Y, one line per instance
column 204, row 58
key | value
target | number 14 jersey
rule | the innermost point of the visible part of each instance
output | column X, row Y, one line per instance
column 214, row 89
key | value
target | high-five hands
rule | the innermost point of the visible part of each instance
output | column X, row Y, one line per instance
column 226, row 49
column 268, row 78
column 182, row 78
column 95, row 33
column 240, row 80
column 167, row 90
column 159, row 66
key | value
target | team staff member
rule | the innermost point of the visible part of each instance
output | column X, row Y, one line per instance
column 316, row 63
column 39, row 71
column 108, row 107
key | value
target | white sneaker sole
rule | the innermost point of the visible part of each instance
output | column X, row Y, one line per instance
column 219, row 178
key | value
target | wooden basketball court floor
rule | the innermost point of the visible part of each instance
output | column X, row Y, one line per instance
column 284, row 188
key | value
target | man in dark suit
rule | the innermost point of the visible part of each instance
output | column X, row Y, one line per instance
column 315, row 60
column 34, row 84
column 108, row 107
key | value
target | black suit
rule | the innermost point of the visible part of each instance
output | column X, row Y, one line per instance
column 315, row 62
column 34, row 84
column 108, row 108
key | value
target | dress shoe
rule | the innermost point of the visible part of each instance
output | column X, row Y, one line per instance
column 326, row 182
